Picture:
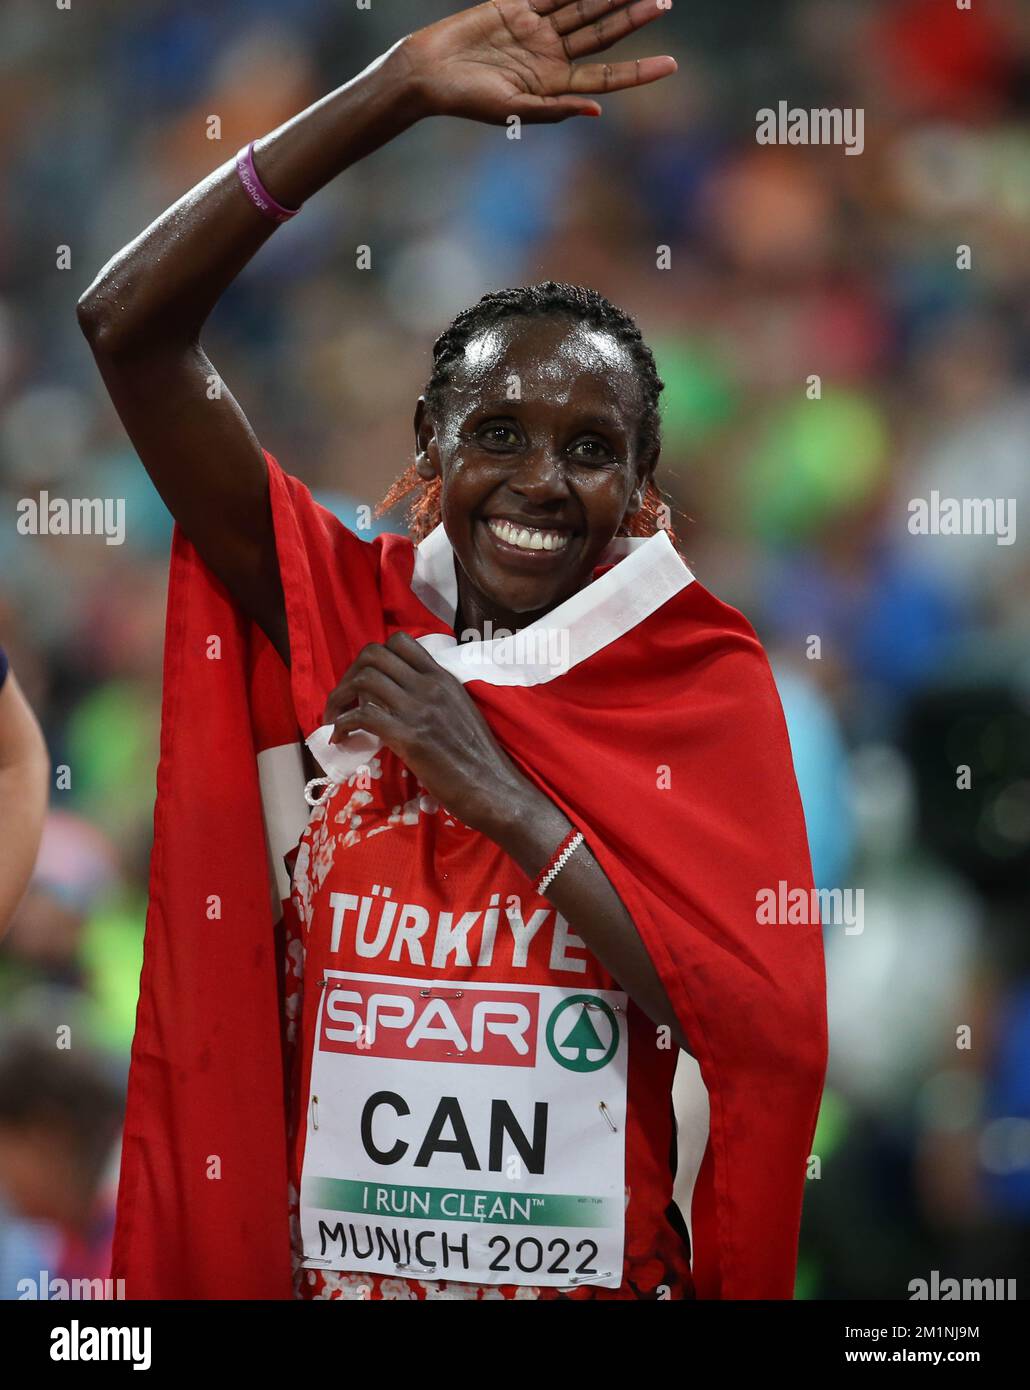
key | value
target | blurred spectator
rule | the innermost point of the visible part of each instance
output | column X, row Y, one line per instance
column 60, row 1122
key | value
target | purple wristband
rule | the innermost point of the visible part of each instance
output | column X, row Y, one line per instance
column 256, row 190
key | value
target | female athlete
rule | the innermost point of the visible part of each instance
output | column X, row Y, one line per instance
column 530, row 873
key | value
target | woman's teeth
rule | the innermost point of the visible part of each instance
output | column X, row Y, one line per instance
column 527, row 537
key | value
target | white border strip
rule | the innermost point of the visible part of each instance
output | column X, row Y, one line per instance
column 651, row 573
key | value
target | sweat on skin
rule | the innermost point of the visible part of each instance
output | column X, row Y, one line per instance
column 577, row 407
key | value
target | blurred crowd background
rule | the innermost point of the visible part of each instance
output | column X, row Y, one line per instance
column 786, row 261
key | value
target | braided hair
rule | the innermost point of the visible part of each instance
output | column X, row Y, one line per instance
column 536, row 301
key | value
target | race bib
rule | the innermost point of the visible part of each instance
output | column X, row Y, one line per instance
column 466, row 1132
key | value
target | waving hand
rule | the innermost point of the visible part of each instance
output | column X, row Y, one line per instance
column 526, row 58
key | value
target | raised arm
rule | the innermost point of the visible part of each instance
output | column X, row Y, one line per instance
column 144, row 312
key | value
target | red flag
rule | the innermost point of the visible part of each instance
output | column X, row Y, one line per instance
column 659, row 734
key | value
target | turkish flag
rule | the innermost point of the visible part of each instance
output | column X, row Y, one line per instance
column 659, row 734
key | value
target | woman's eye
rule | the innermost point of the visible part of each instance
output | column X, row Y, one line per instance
column 498, row 434
column 590, row 450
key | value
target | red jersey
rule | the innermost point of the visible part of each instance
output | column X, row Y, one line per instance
column 389, row 887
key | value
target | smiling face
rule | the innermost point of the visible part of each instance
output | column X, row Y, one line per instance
column 534, row 488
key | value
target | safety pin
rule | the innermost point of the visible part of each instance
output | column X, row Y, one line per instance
column 314, row 1112
column 604, row 1111
column 616, row 1007
column 440, row 994
column 588, row 1279
column 416, row 1268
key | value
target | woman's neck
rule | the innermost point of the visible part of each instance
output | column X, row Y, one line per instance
column 478, row 618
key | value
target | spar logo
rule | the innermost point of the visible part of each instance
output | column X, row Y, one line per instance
column 429, row 1023
column 582, row 1033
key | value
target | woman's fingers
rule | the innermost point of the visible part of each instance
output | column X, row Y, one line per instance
column 594, row 25
column 549, row 110
column 543, row 7
column 370, row 718
column 378, row 698
column 368, row 687
column 402, row 664
column 404, row 646
column 614, row 77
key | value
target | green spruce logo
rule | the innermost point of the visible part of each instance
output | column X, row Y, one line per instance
column 582, row 1047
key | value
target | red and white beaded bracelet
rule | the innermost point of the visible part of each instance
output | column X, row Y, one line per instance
column 559, row 859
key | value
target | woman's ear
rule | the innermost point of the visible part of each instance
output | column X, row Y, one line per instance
column 636, row 500
column 427, row 457
column 644, row 475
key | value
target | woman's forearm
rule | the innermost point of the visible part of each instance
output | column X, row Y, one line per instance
column 160, row 288
column 530, row 830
